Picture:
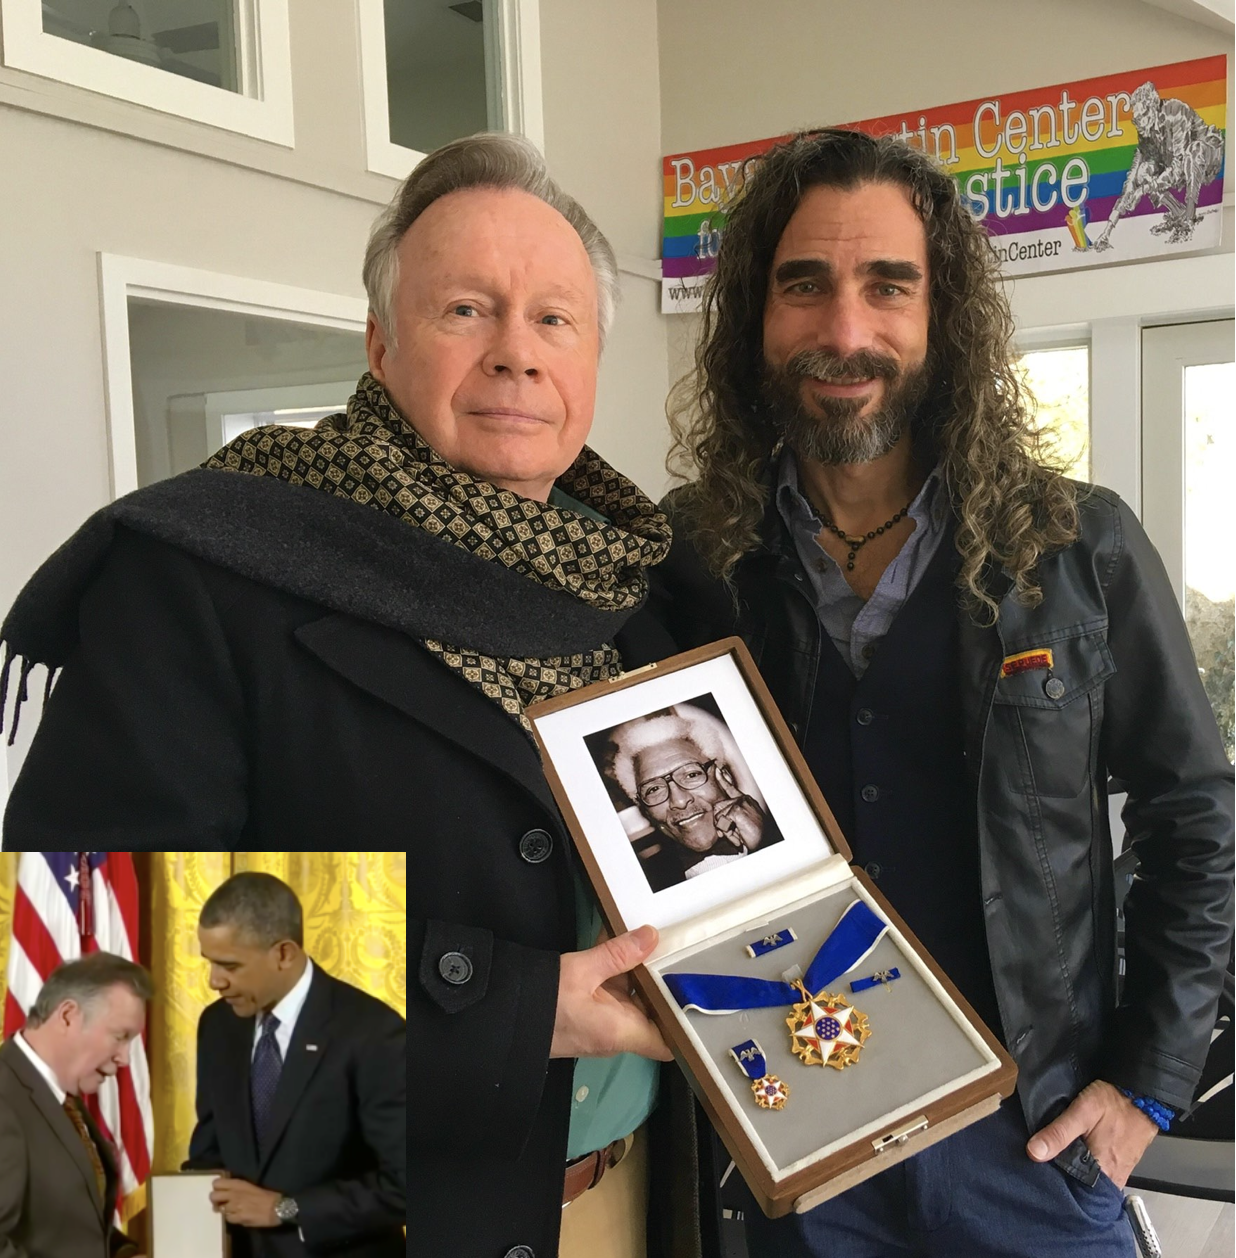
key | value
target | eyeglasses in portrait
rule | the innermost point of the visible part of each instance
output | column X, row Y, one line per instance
column 682, row 790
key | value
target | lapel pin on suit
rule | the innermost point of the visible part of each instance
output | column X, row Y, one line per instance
column 311, row 1048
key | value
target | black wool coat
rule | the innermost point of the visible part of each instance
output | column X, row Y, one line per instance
column 275, row 692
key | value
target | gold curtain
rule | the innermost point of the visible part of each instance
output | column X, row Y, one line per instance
column 8, row 880
column 355, row 928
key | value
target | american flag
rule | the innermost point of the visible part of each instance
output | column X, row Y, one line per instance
column 69, row 904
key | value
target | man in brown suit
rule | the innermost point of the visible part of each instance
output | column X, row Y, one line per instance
column 58, row 1175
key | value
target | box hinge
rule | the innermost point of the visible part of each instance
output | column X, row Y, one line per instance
column 901, row 1135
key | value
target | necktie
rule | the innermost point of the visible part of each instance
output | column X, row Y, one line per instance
column 92, row 1150
column 264, row 1077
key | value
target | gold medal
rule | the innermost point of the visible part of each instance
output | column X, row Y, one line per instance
column 770, row 1092
column 825, row 1030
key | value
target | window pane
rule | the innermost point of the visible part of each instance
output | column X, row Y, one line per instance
column 201, row 377
column 1209, row 561
column 437, row 76
column 193, row 38
column 1060, row 382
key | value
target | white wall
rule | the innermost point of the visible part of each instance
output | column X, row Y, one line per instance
column 732, row 70
column 603, row 144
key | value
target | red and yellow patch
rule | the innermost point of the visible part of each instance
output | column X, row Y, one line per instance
column 1027, row 662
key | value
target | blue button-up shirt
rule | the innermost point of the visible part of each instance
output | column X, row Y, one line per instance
column 855, row 626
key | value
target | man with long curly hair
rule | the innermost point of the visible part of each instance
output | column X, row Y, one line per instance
column 968, row 646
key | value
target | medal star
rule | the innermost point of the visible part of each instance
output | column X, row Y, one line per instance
column 828, row 1026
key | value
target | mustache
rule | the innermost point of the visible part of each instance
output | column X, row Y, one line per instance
column 824, row 365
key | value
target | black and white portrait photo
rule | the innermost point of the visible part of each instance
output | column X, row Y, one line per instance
column 685, row 796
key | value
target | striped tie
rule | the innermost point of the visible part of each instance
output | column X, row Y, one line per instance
column 73, row 1109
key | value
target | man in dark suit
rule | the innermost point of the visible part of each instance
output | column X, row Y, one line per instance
column 300, row 1092
column 58, row 1175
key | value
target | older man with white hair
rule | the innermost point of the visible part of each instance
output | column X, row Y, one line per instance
column 332, row 634
column 682, row 769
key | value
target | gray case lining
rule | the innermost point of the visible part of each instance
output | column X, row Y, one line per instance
column 917, row 1045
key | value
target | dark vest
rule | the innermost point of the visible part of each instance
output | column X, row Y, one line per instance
column 888, row 753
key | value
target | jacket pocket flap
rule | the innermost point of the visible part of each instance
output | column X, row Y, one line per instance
column 1079, row 664
column 455, row 964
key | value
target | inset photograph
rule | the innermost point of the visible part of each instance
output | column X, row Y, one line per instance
column 682, row 790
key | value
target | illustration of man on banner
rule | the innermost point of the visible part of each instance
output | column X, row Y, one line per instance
column 1176, row 152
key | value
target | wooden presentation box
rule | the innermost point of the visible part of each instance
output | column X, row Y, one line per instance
column 693, row 809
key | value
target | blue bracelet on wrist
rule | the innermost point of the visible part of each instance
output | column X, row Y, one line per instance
column 1158, row 1113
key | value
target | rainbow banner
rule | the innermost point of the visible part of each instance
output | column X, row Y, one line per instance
column 1076, row 175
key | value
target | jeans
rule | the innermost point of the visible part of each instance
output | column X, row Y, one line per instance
column 974, row 1195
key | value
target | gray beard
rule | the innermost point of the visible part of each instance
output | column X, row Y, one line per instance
column 832, row 432
column 844, row 437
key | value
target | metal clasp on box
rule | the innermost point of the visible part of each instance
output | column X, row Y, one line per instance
column 900, row 1136
column 635, row 672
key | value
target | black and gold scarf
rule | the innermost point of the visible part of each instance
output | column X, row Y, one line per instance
column 374, row 457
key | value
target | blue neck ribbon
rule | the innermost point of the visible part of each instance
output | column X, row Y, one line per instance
column 852, row 939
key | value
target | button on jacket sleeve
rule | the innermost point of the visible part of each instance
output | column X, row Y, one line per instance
column 1162, row 746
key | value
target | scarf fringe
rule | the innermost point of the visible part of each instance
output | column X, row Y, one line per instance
column 23, row 689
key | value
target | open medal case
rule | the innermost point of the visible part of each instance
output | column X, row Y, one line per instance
column 810, row 1096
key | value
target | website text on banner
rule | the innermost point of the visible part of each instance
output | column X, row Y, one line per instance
column 1080, row 174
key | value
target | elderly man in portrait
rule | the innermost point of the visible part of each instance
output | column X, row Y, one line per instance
column 331, row 634
column 681, row 768
column 59, row 1177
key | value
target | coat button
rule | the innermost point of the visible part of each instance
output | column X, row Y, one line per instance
column 864, row 716
column 519, row 1251
column 1053, row 688
column 870, row 794
column 873, row 870
column 455, row 968
column 535, row 846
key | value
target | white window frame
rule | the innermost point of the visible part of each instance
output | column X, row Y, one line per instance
column 121, row 278
column 1178, row 345
column 262, row 108
column 1108, row 307
column 1064, row 338
column 513, row 26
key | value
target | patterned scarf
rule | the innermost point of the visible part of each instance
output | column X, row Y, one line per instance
column 373, row 456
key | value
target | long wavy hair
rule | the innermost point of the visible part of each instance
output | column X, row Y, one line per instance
column 1011, row 500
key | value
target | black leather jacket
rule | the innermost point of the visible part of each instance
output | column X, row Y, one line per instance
column 1133, row 710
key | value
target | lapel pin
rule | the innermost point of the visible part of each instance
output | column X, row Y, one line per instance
column 311, row 1048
